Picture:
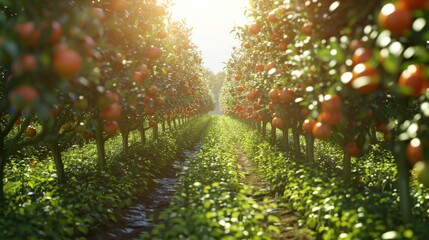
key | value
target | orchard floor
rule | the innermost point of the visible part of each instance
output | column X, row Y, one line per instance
column 143, row 217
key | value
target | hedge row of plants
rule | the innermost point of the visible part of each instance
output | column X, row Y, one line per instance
column 211, row 203
column 44, row 210
column 368, row 210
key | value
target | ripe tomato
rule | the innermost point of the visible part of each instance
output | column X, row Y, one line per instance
column 28, row 32
column 66, row 62
column 86, row 135
column 321, row 131
column 111, row 127
column 414, row 79
column 277, row 122
column 396, row 18
column 111, row 112
column 238, row 77
column 355, row 44
column 152, row 123
column 162, row 34
column 247, row 45
column 149, row 111
column 159, row 102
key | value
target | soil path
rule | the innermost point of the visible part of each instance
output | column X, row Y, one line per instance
column 289, row 222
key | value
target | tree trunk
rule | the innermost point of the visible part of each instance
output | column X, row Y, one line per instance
column 174, row 123
column 125, row 135
column 169, row 125
column 347, row 170
column 3, row 160
column 142, row 135
column 163, row 126
column 59, row 165
column 258, row 126
column 264, row 129
column 101, row 151
column 273, row 135
column 309, row 140
column 296, row 142
column 155, row 130
column 403, row 182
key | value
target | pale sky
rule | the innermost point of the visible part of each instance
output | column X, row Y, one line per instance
column 212, row 22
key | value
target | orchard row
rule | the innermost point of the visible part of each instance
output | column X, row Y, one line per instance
column 82, row 70
column 340, row 71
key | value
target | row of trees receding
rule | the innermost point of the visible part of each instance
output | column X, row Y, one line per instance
column 73, row 71
column 339, row 71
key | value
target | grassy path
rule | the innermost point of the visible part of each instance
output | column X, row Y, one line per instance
column 220, row 195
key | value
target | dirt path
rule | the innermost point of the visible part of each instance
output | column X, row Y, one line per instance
column 289, row 221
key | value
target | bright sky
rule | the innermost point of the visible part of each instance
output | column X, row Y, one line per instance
column 212, row 22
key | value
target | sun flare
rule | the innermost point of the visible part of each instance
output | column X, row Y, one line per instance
column 212, row 22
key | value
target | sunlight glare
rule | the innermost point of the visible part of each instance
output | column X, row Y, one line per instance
column 212, row 22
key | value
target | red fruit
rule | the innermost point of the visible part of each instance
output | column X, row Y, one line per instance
column 56, row 33
column 307, row 28
column 247, row 45
column 154, row 53
column 331, row 104
column 361, row 55
column 277, row 122
column 416, row 4
column 67, row 62
column 396, row 18
column 274, row 95
column 111, row 127
column 28, row 62
column 237, row 77
column 415, row 151
column 119, row 5
column 111, row 112
column 272, row 18
column 414, row 79
column 285, row 96
column 352, row 149
column 152, row 91
column 31, row 132
column 330, row 118
column 365, row 78
column 159, row 10
column 111, row 97
column 308, row 125
column 159, row 102
column 22, row 95
column 27, row 31
column 259, row 67
column 282, row 46
column 321, row 131
column 255, row 28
